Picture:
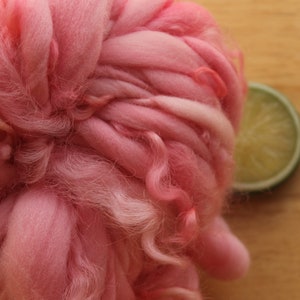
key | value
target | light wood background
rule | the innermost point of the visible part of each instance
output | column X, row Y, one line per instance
column 268, row 32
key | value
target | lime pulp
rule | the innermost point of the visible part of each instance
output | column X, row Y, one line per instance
column 268, row 145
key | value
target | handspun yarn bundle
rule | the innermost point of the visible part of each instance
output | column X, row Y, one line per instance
column 117, row 127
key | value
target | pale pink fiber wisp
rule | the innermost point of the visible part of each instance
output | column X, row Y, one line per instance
column 117, row 128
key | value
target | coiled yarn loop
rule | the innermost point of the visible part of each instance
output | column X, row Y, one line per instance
column 117, row 126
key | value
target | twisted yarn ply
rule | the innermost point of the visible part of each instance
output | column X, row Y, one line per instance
column 117, row 126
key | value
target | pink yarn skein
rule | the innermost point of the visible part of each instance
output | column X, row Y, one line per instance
column 117, row 127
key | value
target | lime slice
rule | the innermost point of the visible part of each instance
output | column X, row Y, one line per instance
column 268, row 145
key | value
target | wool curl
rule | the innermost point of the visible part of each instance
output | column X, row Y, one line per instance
column 117, row 127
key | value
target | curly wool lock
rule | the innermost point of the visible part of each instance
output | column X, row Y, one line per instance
column 116, row 138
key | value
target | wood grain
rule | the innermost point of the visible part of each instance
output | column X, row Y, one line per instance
column 268, row 32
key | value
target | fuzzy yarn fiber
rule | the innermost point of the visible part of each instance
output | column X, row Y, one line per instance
column 117, row 127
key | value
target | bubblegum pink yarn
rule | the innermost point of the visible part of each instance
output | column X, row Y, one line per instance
column 117, row 127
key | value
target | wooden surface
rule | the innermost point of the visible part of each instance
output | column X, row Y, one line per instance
column 268, row 32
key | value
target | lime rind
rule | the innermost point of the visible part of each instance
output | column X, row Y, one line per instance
column 293, row 162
